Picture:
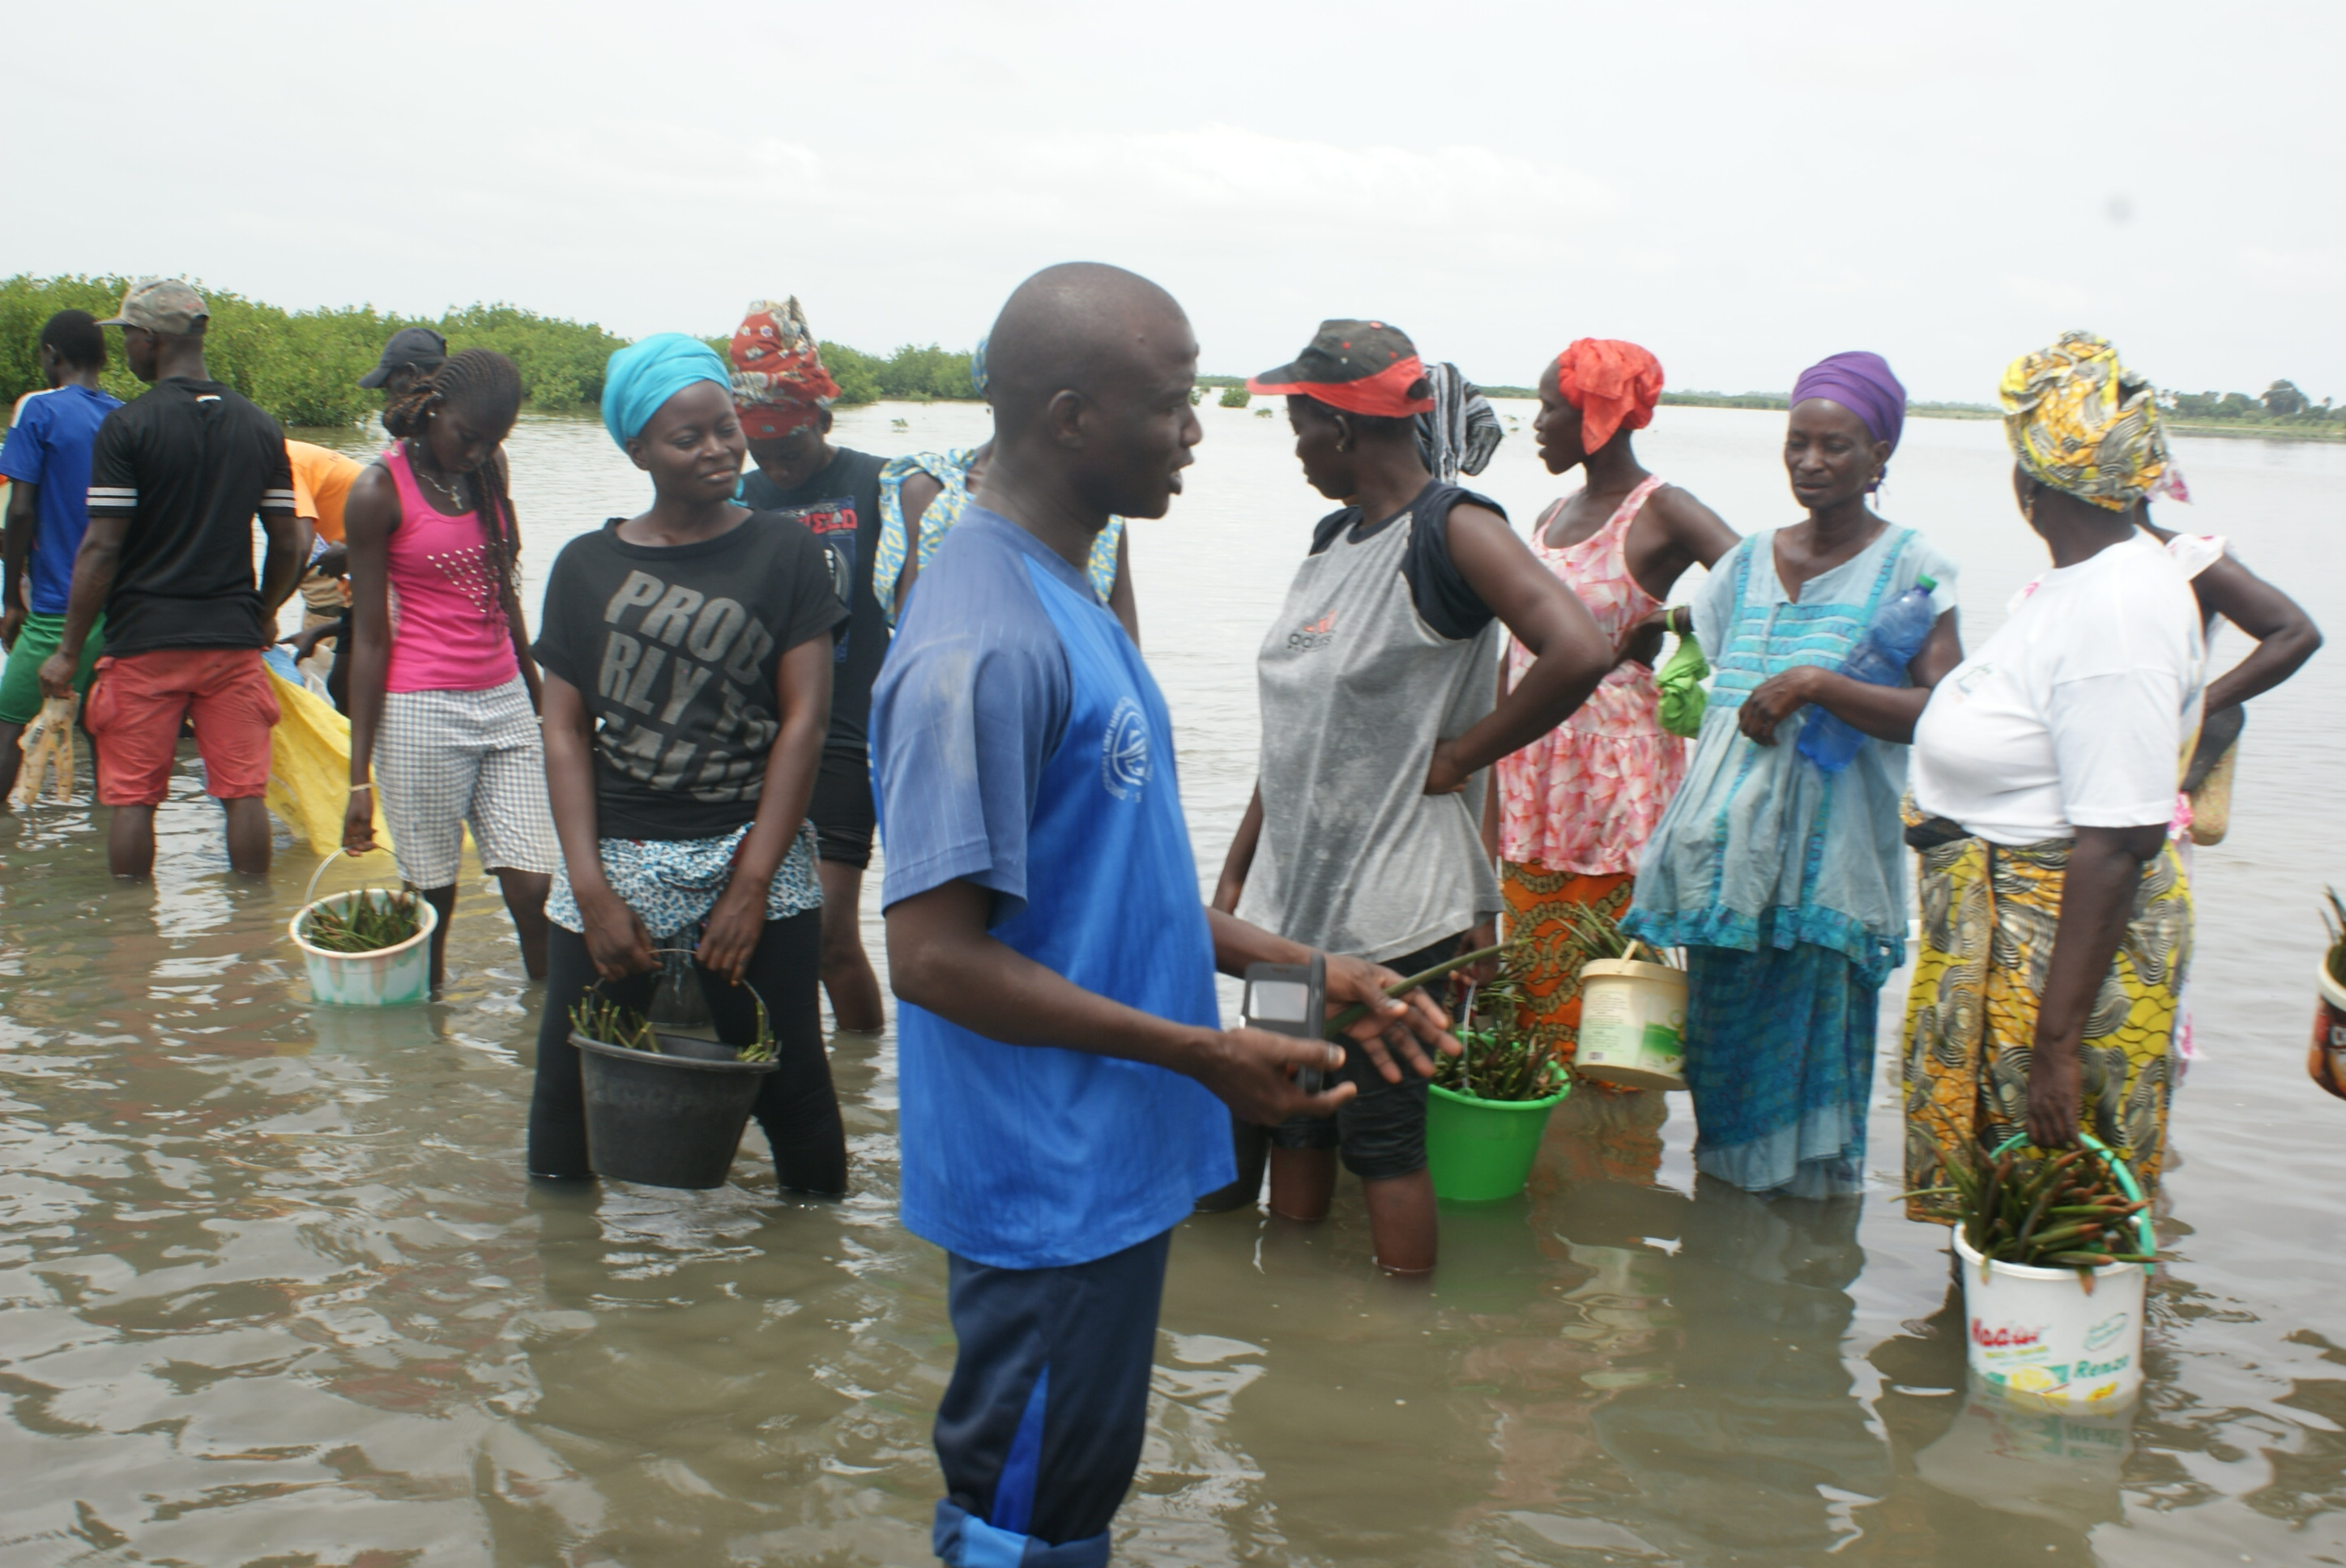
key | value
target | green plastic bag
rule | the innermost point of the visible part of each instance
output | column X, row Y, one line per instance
column 1683, row 698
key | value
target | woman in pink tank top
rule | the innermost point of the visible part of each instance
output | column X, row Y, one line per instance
column 443, row 697
column 1575, row 807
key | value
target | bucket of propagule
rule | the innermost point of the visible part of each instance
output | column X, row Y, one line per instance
column 1632, row 1023
column 1479, row 1151
column 383, row 977
column 2071, row 1338
column 2327, row 1059
column 672, row 1117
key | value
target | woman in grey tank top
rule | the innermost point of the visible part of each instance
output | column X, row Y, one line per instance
column 1376, row 682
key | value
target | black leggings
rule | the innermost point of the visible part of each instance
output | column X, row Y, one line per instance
column 796, row 1104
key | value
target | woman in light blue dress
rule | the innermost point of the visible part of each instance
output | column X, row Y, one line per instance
column 1785, row 884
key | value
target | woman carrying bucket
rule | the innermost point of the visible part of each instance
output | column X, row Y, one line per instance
column 2057, row 918
column 1576, row 806
column 442, row 697
column 1363, row 836
column 688, row 661
column 1786, row 883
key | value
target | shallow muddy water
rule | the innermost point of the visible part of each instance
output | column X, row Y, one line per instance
column 273, row 1290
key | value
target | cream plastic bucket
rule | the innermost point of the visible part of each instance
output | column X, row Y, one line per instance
column 387, row 977
column 2040, row 1333
column 1632, row 1023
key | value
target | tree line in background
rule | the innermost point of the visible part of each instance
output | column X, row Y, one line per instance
column 303, row 366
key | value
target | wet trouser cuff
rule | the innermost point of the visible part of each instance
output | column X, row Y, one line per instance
column 961, row 1539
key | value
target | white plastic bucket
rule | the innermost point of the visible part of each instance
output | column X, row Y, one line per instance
column 1632, row 1023
column 387, row 977
column 2326, row 1060
column 2042, row 1333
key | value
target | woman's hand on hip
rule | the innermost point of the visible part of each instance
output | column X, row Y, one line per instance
column 732, row 932
column 1774, row 700
column 1446, row 775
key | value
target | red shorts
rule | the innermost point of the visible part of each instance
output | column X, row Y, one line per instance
column 136, row 705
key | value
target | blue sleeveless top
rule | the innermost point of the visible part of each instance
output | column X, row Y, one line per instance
column 1760, row 848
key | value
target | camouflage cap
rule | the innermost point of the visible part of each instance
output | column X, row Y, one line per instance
column 164, row 305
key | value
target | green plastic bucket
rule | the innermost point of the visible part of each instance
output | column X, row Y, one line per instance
column 1481, row 1150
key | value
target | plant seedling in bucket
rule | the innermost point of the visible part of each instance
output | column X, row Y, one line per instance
column 2053, row 1248
column 1488, row 1107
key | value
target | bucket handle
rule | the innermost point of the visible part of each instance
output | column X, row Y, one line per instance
column 2146, row 1239
column 309, row 893
column 765, row 1019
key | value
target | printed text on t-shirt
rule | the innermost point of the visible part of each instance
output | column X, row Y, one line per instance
column 673, row 657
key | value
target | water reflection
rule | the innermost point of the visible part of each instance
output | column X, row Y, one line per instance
column 273, row 1290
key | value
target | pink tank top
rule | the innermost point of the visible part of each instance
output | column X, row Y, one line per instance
column 448, row 630
column 1585, row 797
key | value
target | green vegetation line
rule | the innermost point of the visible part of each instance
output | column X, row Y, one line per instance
column 303, row 366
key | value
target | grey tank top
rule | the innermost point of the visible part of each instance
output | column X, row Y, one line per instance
column 1356, row 690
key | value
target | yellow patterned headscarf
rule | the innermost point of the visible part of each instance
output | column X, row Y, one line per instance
column 2081, row 423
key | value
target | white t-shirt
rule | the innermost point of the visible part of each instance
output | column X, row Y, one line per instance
column 2079, row 712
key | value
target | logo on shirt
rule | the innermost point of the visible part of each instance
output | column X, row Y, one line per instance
column 832, row 523
column 1124, row 751
column 1317, row 635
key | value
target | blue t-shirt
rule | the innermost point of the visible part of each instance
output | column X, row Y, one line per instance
column 50, row 447
column 1019, row 742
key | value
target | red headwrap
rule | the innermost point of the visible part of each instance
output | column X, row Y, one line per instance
column 779, row 383
column 1614, row 384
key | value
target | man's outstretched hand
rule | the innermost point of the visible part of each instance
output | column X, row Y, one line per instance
column 1398, row 1031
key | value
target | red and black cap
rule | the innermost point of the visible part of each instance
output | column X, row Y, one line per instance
column 1360, row 367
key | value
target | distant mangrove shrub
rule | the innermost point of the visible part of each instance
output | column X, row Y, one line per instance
column 1234, row 397
column 303, row 366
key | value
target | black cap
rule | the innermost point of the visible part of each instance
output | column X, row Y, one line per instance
column 1366, row 367
column 418, row 346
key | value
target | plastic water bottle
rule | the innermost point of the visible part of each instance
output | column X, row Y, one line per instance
column 1881, row 659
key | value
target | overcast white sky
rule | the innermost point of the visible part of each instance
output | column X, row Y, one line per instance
column 1742, row 188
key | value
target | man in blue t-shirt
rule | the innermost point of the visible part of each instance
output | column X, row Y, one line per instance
column 1063, row 1064
column 46, row 462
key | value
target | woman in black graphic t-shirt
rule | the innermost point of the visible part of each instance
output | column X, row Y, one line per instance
column 688, row 689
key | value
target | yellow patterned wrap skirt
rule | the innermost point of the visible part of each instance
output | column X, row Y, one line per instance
column 1989, row 912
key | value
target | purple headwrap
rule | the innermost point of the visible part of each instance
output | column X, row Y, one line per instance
column 1862, row 383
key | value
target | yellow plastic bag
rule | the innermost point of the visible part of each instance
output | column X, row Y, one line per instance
column 48, row 746
column 309, row 768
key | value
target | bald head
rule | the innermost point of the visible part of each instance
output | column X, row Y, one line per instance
column 1088, row 369
column 1081, row 327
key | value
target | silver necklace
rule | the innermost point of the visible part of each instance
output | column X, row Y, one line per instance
column 453, row 493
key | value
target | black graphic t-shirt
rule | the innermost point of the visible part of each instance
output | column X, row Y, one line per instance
column 841, row 507
column 675, row 649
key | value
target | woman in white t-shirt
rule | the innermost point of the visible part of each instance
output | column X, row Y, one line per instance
column 2057, row 918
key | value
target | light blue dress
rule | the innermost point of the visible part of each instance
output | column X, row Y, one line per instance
column 1786, row 885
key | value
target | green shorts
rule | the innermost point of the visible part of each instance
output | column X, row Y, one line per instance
column 20, row 683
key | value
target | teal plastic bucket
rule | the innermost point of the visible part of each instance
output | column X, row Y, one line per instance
column 1481, row 1150
column 387, row 977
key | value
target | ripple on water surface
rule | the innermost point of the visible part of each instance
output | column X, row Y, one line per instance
column 272, row 1288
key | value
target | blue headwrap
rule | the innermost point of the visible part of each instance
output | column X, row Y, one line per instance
column 645, row 374
column 977, row 367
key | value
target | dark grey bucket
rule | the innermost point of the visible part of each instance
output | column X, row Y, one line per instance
column 670, row 1120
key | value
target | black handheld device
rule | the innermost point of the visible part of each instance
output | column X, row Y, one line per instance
column 1290, row 999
